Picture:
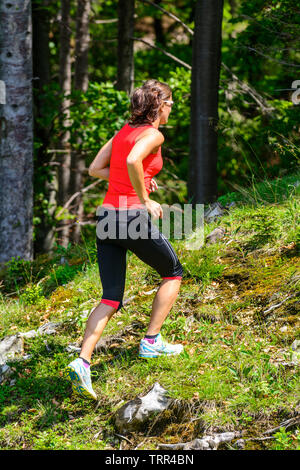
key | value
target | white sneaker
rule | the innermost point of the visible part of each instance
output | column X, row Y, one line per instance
column 159, row 348
column 80, row 377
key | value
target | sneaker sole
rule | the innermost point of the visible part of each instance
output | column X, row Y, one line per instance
column 146, row 356
column 76, row 380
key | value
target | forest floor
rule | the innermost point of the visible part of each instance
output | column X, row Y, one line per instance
column 236, row 315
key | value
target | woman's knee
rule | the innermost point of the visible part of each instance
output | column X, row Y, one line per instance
column 117, row 304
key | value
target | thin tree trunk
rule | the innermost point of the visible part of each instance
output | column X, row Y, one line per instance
column 233, row 7
column 45, row 175
column 81, row 78
column 80, row 83
column 16, row 131
column 202, row 179
column 159, row 32
column 65, row 86
column 125, row 78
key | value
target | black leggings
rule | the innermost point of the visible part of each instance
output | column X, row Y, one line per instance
column 155, row 250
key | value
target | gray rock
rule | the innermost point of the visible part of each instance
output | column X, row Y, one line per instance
column 240, row 444
column 215, row 235
column 215, row 211
column 5, row 371
column 26, row 357
column 49, row 328
column 73, row 348
column 211, row 442
column 134, row 414
column 29, row 334
column 296, row 351
column 10, row 346
column 296, row 345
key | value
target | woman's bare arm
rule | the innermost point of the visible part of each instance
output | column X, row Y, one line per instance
column 151, row 140
column 100, row 165
column 142, row 148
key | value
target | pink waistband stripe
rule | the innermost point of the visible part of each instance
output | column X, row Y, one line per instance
column 112, row 303
column 174, row 277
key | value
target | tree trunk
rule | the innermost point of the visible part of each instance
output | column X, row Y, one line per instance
column 81, row 78
column 202, row 178
column 80, row 83
column 45, row 175
column 65, row 85
column 233, row 7
column 16, row 131
column 125, row 77
column 159, row 32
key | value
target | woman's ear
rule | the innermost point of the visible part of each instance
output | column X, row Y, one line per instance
column 161, row 107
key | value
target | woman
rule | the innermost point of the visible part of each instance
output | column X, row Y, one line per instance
column 129, row 161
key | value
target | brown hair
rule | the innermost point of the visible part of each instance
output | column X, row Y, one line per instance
column 146, row 100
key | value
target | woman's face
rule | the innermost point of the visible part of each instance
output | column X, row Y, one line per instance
column 165, row 110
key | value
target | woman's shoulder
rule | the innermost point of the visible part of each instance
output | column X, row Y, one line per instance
column 156, row 133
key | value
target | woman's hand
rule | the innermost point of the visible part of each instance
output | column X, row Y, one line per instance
column 153, row 185
column 154, row 208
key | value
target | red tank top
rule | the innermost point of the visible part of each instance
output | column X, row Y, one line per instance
column 119, row 182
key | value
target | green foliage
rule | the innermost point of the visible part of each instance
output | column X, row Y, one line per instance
column 227, row 373
column 60, row 275
column 96, row 115
column 284, row 440
column 17, row 272
column 266, row 227
column 32, row 295
column 202, row 264
column 266, row 191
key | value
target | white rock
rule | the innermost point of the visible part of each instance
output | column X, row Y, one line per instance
column 29, row 334
column 10, row 346
column 135, row 413
column 49, row 328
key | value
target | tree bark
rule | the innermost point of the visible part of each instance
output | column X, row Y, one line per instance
column 202, row 178
column 65, row 86
column 81, row 81
column 125, row 76
column 16, row 131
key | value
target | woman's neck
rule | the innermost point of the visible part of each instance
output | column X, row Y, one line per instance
column 153, row 124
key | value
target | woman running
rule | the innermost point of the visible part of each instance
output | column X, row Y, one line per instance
column 129, row 161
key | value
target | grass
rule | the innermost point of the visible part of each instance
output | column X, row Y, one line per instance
column 230, row 376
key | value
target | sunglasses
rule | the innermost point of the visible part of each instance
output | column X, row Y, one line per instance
column 169, row 102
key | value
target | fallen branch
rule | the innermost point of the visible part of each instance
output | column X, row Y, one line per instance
column 75, row 195
column 125, row 438
column 277, row 305
column 209, row 442
column 112, row 20
column 285, row 424
column 72, row 225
